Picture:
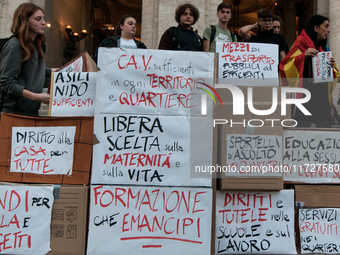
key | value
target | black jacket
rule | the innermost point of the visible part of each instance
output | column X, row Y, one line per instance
column 115, row 42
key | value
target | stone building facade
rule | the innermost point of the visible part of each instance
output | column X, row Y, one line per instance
column 99, row 17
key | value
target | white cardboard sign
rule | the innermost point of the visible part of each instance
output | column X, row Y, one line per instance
column 319, row 230
column 75, row 66
column 25, row 219
column 248, row 64
column 255, row 222
column 311, row 156
column 42, row 150
column 254, row 155
column 150, row 150
column 153, row 81
column 73, row 94
column 149, row 220
column 322, row 71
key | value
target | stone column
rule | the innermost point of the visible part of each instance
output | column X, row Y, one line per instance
column 7, row 8
column 333, row 41
column 323, row 7
column 149, row 33
column 289, row 22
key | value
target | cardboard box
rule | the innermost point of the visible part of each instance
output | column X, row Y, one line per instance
column 251, row 183
column 83, row 142
column 69, row 220
column 245, row 183
column 262, row 100
column 318, row 195
column 87, row 64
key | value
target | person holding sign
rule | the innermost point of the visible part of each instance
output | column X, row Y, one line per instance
column 124, row 38
column 298, row 64
column 265, row 33
column 182, row 37
column 219, row 32
column 23, row 66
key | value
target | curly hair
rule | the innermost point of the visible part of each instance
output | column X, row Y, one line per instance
column 20, row 28
column 181, row 9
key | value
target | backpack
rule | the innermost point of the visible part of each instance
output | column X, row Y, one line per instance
column 3, row 41
column 175, row 38
column 213, row 33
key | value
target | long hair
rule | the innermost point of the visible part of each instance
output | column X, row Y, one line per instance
column 316, row 20
column 121, row 22
column 20, row 28
column 181, row 9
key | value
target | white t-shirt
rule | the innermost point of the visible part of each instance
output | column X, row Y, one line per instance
column 130, row 44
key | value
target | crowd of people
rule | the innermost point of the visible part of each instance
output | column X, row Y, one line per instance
column 23, row 65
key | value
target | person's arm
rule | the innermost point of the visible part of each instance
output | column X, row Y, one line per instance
column 166, row 41
column 206, row 39
column 311, row 52
column 244, row 31
column 11, row 66
column 40, row 97
column 206, row 45
column 282, row 55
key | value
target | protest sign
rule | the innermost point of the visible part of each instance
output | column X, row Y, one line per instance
column 322, row 71
column 319, row 230
column 255, row 222
column 75, row 66
column 149, row 220
column 25, row 219
column 311, row 156
column 73, row 94
column 42, row 150
column 149, row 150
column 153, row 81
column 82, row 63
column 254, row 155
column 248, row 64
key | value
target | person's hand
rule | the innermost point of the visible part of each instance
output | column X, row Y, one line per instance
column 332, row 62
column 311, row 52
column 43, row 98
column 256, row 25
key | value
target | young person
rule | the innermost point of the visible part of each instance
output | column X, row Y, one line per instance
column 124, row 38
column 219, row 32
column 23, row 66
column 296, row 71
column 182, row 37
column 265, row 33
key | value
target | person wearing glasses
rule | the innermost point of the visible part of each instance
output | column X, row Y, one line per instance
column 265, row 34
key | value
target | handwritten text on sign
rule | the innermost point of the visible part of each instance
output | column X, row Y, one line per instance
column 152, row 81
column 73, row 94
column 143, row 150
column 248, row 64
column 75, row 66
column 255, row 222
column 42, row 150
column 319, row 230
column 254, row 155
column 311, row 156
column 25, row 219
column 322, row 71
column 149, row 220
